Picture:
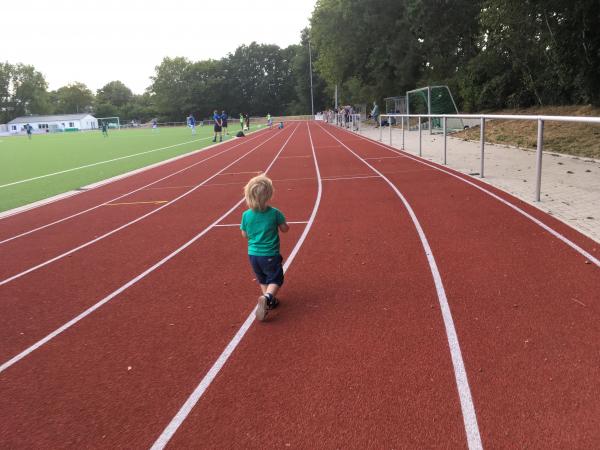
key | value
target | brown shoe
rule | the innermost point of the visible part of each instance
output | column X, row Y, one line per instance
column 261, row 308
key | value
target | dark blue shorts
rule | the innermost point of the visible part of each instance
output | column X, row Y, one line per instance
column 268, row 269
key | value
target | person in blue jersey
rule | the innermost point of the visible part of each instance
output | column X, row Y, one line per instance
column 218, row 126
column 224, row 118
column 191, row 121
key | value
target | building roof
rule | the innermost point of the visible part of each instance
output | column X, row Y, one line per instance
column 57, row 118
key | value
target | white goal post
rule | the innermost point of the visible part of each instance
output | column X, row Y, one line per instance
column 112, row 122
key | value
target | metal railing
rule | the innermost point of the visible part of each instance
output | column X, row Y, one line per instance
column 404, row 118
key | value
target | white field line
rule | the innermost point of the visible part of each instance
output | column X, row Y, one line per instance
column 89, row 187
column 105, row 235
column 193, row 399
column 25, row 233
column 99, row 163
column 130, row 283
column 460, row 373
column 538, row 222
column 237, row 224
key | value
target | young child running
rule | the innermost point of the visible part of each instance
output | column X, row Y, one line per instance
column 261, row 224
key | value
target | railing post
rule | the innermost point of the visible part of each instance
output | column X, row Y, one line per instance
column 445, row 137
column 420, row 148
column 380, row 129
column 482, row 144
column 402, row 132
column 390, row 126
column 538, row 170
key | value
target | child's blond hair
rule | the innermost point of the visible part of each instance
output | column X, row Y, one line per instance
column 258, row 192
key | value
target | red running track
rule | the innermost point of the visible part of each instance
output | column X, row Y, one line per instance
column 358, row 355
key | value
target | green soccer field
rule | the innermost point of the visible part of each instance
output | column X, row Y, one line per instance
column 43, row 156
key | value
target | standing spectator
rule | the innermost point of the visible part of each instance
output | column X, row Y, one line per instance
column 375, row 114
column 224, row 118
column 242, row 121
column 218, row 126
column 247, row 116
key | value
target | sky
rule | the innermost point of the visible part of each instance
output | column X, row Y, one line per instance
column 96, row 42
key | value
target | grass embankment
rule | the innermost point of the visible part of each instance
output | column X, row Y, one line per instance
column 577, row 139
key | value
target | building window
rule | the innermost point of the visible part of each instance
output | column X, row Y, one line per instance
column 14, row 127
column 71, row 124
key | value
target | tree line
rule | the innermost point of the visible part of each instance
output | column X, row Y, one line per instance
column 256, row 79
column 492, row 53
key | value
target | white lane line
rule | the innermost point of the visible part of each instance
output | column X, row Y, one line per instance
column 385, row 157
column 99, row 163
column 350, row 178
column 131, row 282
column 538, row 222
column 128, row 224
column 25, row 233
column 241, row 173
column 189, row 404
column 300, row 156
column 237, row 224
column 460, row 373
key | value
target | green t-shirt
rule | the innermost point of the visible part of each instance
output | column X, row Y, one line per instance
column 262, row 230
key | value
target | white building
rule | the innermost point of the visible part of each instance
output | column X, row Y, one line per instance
column 43, row 124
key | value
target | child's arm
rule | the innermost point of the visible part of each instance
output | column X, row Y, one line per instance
column 284, row 227
column 244, row 234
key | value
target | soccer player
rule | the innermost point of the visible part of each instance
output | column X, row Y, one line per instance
column 224, row 118
column 242, row 121
column 104, row 129
column 218, row 126
column 28, row 129
column 269, row 120
column 154, row 126
column 192, row 123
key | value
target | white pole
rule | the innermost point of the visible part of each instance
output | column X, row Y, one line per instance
column 336, row 102
column 312, row 102
column 482, row 138
column 540, row 149
column 445, row 138
column 402, row 132
column 420, row 149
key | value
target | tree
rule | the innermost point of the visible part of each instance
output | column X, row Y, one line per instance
column 29, row 91
column 73, row 98
column 170, row 88
column 114, row 93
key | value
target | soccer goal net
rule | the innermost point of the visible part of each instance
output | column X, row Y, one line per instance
column 433, row 100
column 112, row 122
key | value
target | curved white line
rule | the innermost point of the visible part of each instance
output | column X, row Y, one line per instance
column 154, row 211
column 193, row 399
column 130, row 283
column 25, row 233
column 538, row 222
column 460, row 373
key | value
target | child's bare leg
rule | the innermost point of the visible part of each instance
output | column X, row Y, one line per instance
column 263, row 288
column 272, row 289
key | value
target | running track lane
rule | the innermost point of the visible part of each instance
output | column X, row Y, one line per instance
column 526, row 306
column 167, row 328
column 60, row 209
column 28, row 251
column 43, row 300
column 357, row 357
